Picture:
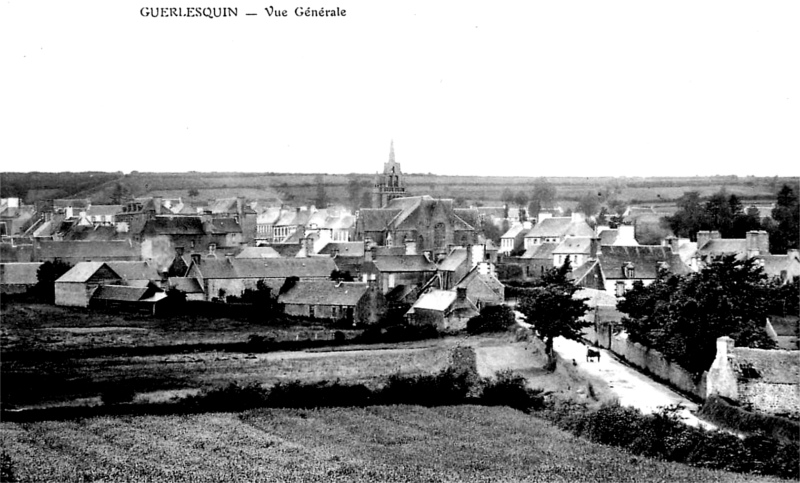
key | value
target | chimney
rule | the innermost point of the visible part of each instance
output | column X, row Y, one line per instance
column 369, row 255
column 703, row 237
column 372, row 282
column 428, row 255
column 196, row 258
column 578, row 217
column 672, row 243
column 411, row 246
column 461, row 293
column 715, row 235
column 763, row 242
column 308, row 244
column 594, row 246
column 179, row 251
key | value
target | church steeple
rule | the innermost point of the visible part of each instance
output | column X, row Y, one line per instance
column 390, row 184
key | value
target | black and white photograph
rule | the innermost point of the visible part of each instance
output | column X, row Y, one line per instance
column 351, row 241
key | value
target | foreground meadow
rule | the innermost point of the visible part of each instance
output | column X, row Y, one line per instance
column 381, row 443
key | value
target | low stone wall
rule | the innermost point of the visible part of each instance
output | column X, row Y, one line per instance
column 647, row 359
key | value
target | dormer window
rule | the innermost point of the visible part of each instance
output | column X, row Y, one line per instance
column 628, row 270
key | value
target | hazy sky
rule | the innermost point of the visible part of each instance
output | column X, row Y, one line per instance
column 532, row 88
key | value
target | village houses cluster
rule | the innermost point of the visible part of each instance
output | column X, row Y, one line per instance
column 414, row 255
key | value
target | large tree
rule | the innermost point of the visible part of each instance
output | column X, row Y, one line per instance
column 589, row 204
column 46, row 276
column 543, row 196
column 550, row 306
column 785, row 232
column 682, row 316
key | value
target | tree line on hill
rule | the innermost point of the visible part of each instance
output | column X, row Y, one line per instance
column 726, row 213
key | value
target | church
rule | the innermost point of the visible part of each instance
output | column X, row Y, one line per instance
column 418, row 223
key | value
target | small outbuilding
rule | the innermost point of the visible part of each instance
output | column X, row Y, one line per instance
column 18, row 278
column 443, row 309
column 337, row 301
column 76, row 287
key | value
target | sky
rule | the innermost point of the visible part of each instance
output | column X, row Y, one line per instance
column 528, row 88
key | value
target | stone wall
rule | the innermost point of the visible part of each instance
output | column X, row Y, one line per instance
column 648, row 360
column 771, row 398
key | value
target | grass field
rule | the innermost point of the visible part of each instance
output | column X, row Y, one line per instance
column 381, row 443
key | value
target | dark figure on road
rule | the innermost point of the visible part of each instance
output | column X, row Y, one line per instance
column 592, row 354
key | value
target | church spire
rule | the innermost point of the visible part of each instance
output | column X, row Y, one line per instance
column 391, row 151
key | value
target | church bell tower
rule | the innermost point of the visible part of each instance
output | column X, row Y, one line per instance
column 388, row 185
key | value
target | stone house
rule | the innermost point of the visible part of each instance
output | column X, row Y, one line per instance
column 76, row 287
column 443, row 309
column 393, row 270
column 556, row 229
column 514, row 239
column 189, row 287
column 232, row 276
column 616, row 268
column 354, row 302
column 764, row 380
column 578, row 249
column 482, row 286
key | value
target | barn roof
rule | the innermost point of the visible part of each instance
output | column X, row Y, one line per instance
column 316, row 267
column 135, row 270
column 120, row 292
column 404, row 263
column 344, row 249
column 185, row 284
column 454, row 260
column 258, row 252
column 82, row 272
column 489, row 281
column 324, row 292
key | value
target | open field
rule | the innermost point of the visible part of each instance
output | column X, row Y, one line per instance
column 43, row 327
column 381, row 443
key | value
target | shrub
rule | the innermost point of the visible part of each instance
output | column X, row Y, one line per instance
column 117, row 394
column 493, row 318
column 233, row 397
column 321, row 394
column 510, row 389
column 445, row 388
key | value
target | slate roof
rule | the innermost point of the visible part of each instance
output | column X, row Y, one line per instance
column 574, row 245
column 490, row 281
column 608, row 237
column 316, row 267
column 439, row 300
column 134, row 270
column 645, row 260
column 324, row 292
column 388, row 251
column 775, row 264
column 515, row 230
column 542, row 251
column 377, row 219
column 559, row 227
column 286, row 250
column 454, row 260
column 92, row 233
column 344, row 222
column 258, row 252
column 723, row 246
column 580, row 272
column 404, row 263
column 19, row 273
column 174, row 225
column 224, row 205
column 595, row 297
column 87, row 249
column 345, row 249
column 470, row 216
column 81, row 272
column 185, row 284
column 103, row 210
column 269, row 215
column 218, row 226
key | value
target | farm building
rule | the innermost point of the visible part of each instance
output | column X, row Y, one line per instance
column 76, row 287
column 17, row 278
column 338, row 301
column 443, row 309
column 136, row 273
column 393, row 270
column 124, row 297
column 189, row 287
column 766, row 380
column 232, row 276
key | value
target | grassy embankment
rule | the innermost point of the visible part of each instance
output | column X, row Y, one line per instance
column 380, row 443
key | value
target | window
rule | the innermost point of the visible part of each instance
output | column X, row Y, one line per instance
column 620, row 288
